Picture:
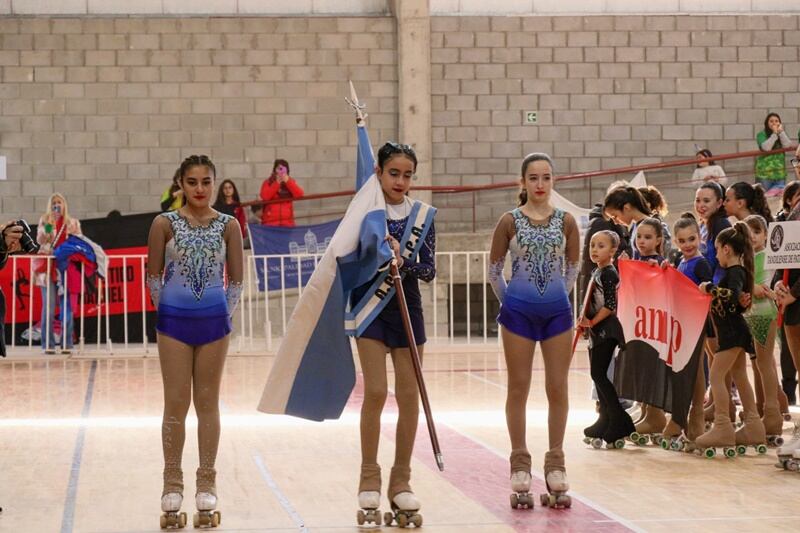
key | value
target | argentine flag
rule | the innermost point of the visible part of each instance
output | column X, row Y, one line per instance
column 314, row 372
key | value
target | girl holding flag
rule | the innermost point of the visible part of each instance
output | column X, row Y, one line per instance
column 413, row 242
column 535, row 308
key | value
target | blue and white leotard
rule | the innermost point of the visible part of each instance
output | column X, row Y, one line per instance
column 193, row 307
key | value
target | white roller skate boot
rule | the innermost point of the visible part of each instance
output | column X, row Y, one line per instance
column 785, row 453
column 520, row 462
column 172, row 518
column 555, row 476
column 369, row 501
column 206, row 515
column 521, row 498
column 206, row 499
column 405, row 507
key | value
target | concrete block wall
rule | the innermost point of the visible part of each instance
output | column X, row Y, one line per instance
column 610, row 91
column 104, row 109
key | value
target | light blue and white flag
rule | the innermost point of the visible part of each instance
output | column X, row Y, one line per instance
column 314, row 372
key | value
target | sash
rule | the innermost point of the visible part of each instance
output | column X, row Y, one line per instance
column 382, row 289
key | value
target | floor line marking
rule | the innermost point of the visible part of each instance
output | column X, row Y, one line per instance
column 282, row 499
column 68, row 517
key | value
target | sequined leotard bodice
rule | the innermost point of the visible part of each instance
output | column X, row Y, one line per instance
column 194, row 268
column 537, row 259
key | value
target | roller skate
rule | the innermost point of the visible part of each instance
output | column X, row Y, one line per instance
column 751, row 434
column 555, row 477
column 694, row 428
column 785, row 453
column 369, row 501
column 405, row 511
column 773, row 426
column 206, row 499
column 521, row 498
column 671, row 436
column 172, row 498
column 172, row 518
column 721, row 435
column 649, row 429
column 594, row 434
column 619, row 427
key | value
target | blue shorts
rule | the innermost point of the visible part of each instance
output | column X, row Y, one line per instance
column 533, row 320
column 194, row 327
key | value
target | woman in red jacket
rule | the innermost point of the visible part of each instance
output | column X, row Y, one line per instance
column 279, row 185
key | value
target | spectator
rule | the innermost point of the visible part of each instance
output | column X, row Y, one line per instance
column 228, row 202
column 172, row 198
column 279, row 185
column 10, row 235
column 54, row 227
column 708, row 170
column 771, row 169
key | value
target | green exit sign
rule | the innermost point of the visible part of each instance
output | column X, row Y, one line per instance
column 531, row 117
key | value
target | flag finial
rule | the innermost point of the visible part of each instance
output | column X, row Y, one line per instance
column 359, row 108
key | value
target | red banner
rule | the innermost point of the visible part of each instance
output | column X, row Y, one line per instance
column 125, row 277
column 662, row 308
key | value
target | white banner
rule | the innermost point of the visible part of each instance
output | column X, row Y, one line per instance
column 783, row 245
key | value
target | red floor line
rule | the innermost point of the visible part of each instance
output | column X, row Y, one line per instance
column 481, row 475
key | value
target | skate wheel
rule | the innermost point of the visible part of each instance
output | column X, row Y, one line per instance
column 619, row 444
column 635, row 436
column 196, row 520
column 417, row 520
column 787, row 417
column 597, row 443
column 761, row 449
column 163, row 521
column 216, row 519
column 741, row 449
column 402, row 520
column 778, row 441
column 677, row 445
column 665, row 444
column 564, row 501
column 792, row 466
column 710, row 453
column 514, row 501
column 729, row 452
column 360, row 517
column 387, row 518
column 587, row 440
column 182, row 520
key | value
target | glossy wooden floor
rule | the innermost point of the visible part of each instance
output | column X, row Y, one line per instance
column 80, row 452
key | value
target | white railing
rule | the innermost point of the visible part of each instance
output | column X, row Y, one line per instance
column 263, row 316
column 266, row 313
column 118, row 265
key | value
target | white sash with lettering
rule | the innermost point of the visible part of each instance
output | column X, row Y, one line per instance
column 381, row 291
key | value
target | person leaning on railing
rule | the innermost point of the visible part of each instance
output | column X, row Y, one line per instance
column 771, row 169
column 55, row 226
column 279, row 185
column 8, row 244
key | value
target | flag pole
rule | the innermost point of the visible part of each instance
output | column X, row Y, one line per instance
column 412, row 348
column 579, row 329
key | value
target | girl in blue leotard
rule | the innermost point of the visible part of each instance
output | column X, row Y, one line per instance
column 535, row 309
column 188, row 250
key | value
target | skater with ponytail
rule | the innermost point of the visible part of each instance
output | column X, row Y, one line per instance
column 189, row 251
column 761, row 318
column 735, row 255
column 743, row 199
column 535, row 309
